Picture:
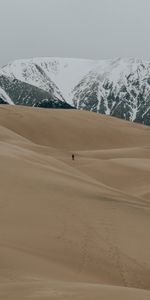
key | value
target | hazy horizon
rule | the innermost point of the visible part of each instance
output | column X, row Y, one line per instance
column 84, row 29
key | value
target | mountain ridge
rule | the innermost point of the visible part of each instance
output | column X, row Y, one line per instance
column 117, row 87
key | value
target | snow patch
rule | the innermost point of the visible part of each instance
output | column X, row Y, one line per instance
column 5, row 97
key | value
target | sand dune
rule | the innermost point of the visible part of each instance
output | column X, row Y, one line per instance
column 73, row 229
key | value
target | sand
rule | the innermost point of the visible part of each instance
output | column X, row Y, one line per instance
column 73, row 229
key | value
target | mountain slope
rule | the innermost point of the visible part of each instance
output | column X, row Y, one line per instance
column 119, row 87
column 4, row 98
column 66, row 73
column 14, row 91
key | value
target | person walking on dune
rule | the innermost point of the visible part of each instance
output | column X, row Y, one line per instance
column 73, row 157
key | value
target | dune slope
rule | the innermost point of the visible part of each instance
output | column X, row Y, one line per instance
column 73, row 229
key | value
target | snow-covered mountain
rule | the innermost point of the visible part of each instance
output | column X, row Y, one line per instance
column 29, row 86
column 59, row 74
column 119, row 87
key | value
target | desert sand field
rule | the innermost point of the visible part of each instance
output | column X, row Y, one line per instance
column 73, row 230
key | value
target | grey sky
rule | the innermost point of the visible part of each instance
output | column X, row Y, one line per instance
column 74, row 28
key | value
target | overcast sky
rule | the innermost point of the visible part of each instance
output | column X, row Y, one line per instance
column 74, row 28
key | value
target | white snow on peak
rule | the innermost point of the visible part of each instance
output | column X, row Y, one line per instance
column 64, row 72
column 117, row 69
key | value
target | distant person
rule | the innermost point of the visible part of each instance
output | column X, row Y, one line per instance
column 73, row 157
